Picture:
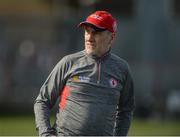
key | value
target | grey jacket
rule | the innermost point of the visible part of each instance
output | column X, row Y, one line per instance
column 96, row 97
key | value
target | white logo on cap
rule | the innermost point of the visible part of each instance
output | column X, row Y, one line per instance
column 96, row 17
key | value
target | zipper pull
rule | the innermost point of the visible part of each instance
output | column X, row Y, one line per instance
column 99, row 72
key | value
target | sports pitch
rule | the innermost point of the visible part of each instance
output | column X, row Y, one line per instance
column 25, row 126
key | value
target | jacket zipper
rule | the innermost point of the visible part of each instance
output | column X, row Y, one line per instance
column 99, row 72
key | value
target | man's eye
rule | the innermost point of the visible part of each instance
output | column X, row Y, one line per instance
column 97, row 32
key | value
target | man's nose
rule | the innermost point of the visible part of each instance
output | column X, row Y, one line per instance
column 90, row 36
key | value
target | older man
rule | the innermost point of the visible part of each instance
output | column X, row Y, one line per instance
column 94, row 86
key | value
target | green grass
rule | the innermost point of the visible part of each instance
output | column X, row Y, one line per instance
column 25, row 126
column 17, row 126
column 152, row 127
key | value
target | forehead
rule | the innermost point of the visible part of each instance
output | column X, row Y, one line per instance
column 88, row 28
column 94, row 27
column 91, row 29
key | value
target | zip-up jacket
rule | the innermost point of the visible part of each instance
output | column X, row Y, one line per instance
column 95, row 97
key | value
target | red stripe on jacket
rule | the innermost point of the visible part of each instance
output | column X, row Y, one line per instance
column 63, row 96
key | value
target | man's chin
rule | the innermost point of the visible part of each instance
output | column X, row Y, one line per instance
column 90, row 52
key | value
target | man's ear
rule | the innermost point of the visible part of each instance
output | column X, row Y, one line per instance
column 112, row 38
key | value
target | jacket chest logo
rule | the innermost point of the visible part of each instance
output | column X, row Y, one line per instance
column 113, row 82
column 80, row 78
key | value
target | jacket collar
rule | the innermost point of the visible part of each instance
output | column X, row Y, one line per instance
column 94, row 57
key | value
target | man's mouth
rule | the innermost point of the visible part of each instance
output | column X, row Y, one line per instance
column 90, row 43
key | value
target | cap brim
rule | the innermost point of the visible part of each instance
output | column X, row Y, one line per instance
column 95, row 27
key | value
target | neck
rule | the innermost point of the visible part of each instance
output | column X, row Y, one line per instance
column 95, row 56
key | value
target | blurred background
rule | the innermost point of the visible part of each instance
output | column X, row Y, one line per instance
column 36, row 34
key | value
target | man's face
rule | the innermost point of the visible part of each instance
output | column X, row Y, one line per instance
column 97, row 43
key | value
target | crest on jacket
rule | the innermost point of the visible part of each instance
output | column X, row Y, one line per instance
column 113, row 82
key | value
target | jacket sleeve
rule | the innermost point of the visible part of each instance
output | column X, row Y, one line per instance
column 125, row 107
column 47, row 97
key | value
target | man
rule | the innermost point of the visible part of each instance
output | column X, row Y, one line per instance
column 94, row 86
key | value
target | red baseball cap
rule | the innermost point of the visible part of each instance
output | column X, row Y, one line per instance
column 101, row 20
